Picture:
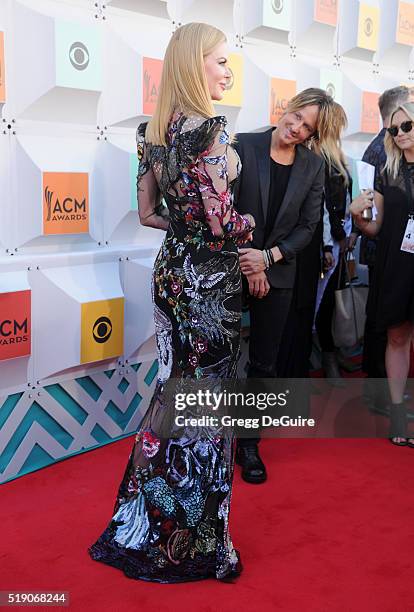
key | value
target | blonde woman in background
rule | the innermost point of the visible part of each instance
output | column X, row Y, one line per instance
column 392, row 299
column 337, row 239
column 170, row 522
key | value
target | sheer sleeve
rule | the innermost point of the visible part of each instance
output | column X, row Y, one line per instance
column 211, row 171
column 148, row 193
column 379, row 180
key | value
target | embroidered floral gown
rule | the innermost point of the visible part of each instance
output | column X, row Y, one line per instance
column 170, row 521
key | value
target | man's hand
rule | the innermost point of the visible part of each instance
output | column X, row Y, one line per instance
column 258, row 284
column 251, row 261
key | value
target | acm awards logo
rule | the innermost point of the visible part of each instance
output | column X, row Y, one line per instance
column 13, row 331
column 150, row 88
column 15, row 324
column 79, row 56
column 277, row 6
column 368, row 26
column 405, row 26
column 69, row 209
column 278, row 105
column 151, row 80
column 65, row 202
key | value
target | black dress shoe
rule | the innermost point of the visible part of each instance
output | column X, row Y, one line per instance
column 253, row 469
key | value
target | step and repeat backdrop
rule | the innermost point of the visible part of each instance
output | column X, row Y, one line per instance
column 77, row 352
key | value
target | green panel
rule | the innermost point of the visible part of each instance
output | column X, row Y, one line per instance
column 78, row 56
column 332, row 82
column 277, row 14
column 133, row 171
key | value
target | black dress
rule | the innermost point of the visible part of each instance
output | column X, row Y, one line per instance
column 170, row 521
column 391, row 301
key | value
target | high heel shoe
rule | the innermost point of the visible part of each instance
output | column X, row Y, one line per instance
column 398, row 425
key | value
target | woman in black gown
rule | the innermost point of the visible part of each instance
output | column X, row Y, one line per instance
column 170, row 521
column 392, row 296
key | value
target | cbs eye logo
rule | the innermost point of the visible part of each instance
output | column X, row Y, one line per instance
column 79, row 56
column 330, row 90
column 230, row 81
column 277, row 6
column 102, row 330
column 368, row 26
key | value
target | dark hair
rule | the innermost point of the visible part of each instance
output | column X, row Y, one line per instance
column 391, row 98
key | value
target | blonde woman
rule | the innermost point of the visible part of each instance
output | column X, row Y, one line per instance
column 338, row 238
column 170, row 522
column 392, row 296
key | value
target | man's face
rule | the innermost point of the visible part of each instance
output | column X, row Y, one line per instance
column 296, row 127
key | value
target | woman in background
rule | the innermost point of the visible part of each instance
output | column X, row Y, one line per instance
column 337, row 239
column 170, row 522
column 391, row 300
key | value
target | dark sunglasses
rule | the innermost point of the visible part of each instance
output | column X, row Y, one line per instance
column 406, row 127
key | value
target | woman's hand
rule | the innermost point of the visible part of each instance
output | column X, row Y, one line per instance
column 258, row 285
column 362, row 202
column 251, row 261
column 328, row 261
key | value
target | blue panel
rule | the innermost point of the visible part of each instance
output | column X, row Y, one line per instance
column 152, row 372
column 70, row 405
column 37, row 458
column 8, row 406
column 100, row 434
column 35, row 414
column 123, row 385
column 90, row 387
column 122, row 418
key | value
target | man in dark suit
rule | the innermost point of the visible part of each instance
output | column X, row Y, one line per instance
column 281, row 185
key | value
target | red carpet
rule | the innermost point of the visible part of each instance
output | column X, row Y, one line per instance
column 332, row 529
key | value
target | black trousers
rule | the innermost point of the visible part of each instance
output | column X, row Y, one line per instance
column 323, row 320
column 267, row 322
column 375, row 343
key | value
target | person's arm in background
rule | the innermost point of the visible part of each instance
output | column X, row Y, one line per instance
column 327, row 241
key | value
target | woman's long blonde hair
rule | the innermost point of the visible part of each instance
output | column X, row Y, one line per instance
column 184, row 84
column 394, row 153
column 330, row 144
